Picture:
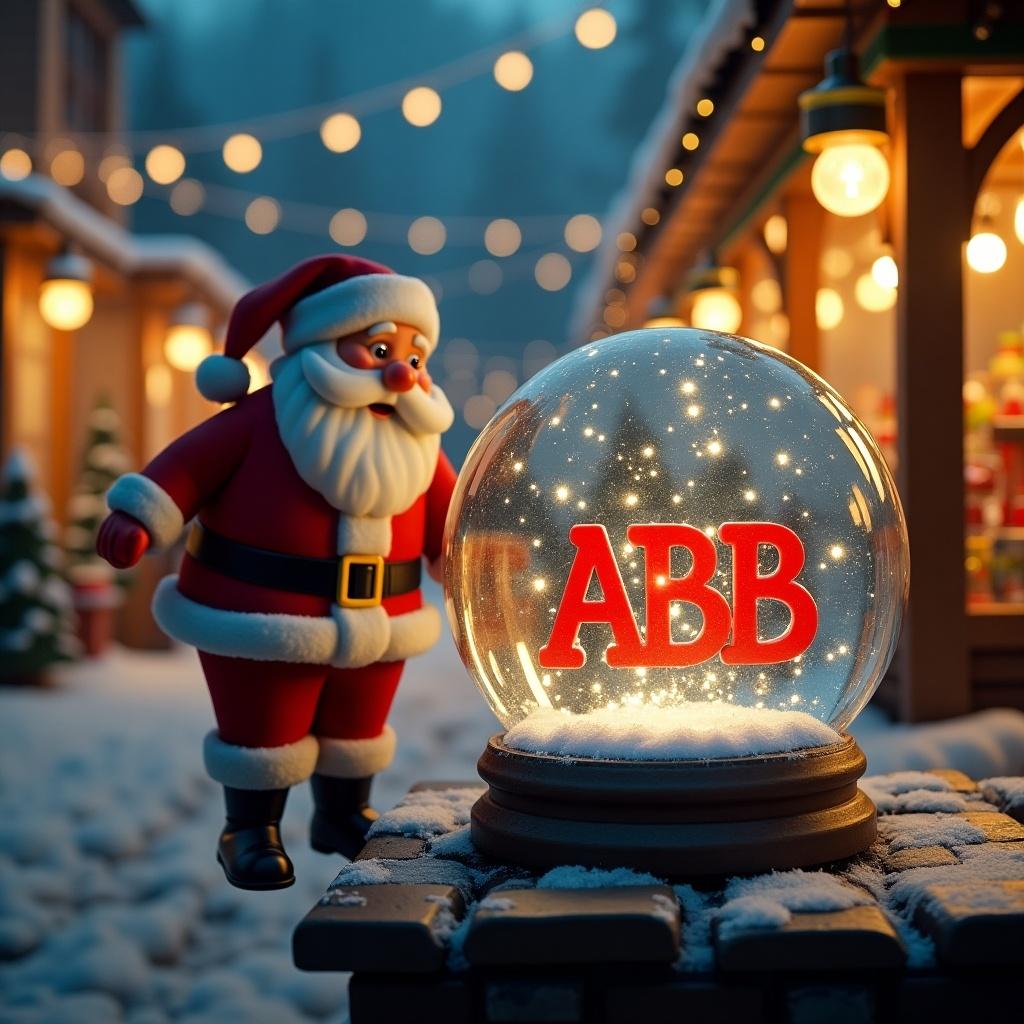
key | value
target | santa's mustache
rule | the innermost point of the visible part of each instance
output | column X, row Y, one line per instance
column 346, row 387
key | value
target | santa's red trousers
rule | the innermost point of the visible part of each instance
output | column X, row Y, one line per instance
column 272, row 703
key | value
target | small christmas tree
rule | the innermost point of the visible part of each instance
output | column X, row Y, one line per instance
column 35, row 600
column 105, row 460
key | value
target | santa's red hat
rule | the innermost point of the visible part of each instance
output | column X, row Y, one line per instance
column 317, row 300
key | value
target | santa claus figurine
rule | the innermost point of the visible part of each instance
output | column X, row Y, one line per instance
column 313, row 502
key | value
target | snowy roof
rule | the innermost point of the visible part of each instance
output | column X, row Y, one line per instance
column 722, row 29
column 108, row 242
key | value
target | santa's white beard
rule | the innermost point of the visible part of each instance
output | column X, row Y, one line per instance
column 361, row 463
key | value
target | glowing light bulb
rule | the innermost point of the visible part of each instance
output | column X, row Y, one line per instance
column 986, row 252
column 828, row 309
column 66, row 303
column 850, row 180
column 885, row 272
column 242, row 153
column 188, row 341
column 596, row 28
column 872, row 296
column 165, row 164
column 421, row 106
column 716, row 309
column 513, row 70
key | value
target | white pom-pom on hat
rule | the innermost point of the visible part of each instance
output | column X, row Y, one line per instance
column 222, row 378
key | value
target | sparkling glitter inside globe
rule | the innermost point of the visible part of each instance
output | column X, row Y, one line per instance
column 676, row 427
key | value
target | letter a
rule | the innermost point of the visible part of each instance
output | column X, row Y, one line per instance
column 594, row 556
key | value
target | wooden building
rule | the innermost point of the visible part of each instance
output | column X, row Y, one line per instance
column 60, row 99
column 723, row 173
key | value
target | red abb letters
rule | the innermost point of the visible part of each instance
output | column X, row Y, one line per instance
column 594, row 558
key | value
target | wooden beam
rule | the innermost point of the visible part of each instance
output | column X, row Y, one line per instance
column 930, row 223
column 805, row 220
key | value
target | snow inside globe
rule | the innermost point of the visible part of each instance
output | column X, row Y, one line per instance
column 675, row 544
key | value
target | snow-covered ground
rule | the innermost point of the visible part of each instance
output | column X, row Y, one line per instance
column 111, row 904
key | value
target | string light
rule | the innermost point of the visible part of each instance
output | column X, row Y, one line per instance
column 625, row 241
column 165, row 164
column 673, row 177
column 340, row 133
column 850, row 180
column 124, row 186
column 986, row 252
column 776, row 234
column 583, row 233
column 650, row 216
column 705, row 107
column 348, row 227
column 596, row 28
column 262, row 215
column 242, row 153
column 110, row 163
column 513, row 70
column 872, row 296
column 427, row 236
column 67, row 168
column 757, row 44
column 15, row 164
column 885, row 272
column 502, row 237
column 828, row 309
column 421, row 106
column 552, row 271
column 187, row 197
column 485, row 277
column 690, row 141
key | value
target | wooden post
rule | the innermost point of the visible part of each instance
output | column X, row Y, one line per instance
column 805, row 221
column 930, row 223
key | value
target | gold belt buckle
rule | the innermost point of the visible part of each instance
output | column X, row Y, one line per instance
column 347, row 561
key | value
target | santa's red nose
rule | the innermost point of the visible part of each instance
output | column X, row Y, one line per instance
column 399, row 377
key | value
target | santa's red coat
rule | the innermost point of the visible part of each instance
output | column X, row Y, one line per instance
column 234, row 472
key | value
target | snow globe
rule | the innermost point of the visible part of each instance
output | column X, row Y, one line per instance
column 676, row 569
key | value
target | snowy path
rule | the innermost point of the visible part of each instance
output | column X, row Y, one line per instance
column 110, row 898
column 111, row 904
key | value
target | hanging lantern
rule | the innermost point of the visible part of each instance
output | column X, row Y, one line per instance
column 188, row 340
column 713, row 292
column 676, row 565
column 986, row 251
column 843, row 122
column 65, row 297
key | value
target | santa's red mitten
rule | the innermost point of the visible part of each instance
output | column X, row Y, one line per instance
column 122, row 540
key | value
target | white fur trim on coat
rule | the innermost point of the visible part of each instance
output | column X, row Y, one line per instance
column 144, row 499
column 259, row 767
column 364, row 535
column 358, row 303
column 355, row 759
column 298, row 638
column 413, row 633
column 363, row 636
column 349, row 638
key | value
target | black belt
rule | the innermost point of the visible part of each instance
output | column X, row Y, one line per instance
column 353, row 581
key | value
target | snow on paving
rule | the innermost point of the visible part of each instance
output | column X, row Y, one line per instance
column 113, row 908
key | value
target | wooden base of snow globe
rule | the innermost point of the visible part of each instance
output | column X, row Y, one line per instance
column 674, row 818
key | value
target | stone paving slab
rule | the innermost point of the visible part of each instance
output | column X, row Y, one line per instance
column 377, row 928
column 975, row 924
column 859, row 938
column 630, row 924
column 939, row 939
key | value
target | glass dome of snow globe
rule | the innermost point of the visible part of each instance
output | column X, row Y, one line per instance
column 668, row 551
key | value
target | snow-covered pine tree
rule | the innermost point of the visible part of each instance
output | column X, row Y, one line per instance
column 104, row 461
column 35, row 600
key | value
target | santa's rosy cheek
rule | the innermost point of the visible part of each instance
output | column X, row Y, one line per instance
column 356, row 355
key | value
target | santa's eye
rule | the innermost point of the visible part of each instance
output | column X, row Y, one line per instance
column 414, row 362
column 380, row 350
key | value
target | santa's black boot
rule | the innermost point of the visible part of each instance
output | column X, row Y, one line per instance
column 250, row 849
column 342, row 814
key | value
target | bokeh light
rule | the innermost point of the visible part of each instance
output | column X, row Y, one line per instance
column 583, row 233
column 986, row 252
column 242, row 153
column 828, row 309
column 421, row 106
column 165, row 164
column 596, row 28
column 262, row 215
column 502, row 237
column 427, row 236
column 187, row 197
column 125, row 185
column 340, row 133
column 552, row 271
column 513, row 71
column 67, row 168
column 348, row 227
column 15, row 164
